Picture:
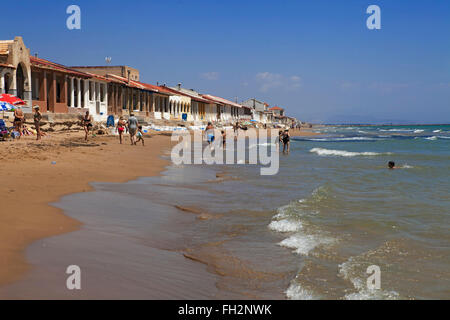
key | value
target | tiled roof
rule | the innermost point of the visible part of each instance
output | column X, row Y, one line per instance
column 276, row 108
column 4, row 46
column 221, row 100
column 7, row 65
column 135, row 84
column 192, row 96
column 45, row 64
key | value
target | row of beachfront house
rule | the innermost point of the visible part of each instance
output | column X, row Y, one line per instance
column 116, row 90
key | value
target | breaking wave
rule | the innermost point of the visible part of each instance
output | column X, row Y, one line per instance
column 297, row 292
column 343, row 153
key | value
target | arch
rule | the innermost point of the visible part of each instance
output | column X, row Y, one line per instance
column 22, row 81
column 8, row 79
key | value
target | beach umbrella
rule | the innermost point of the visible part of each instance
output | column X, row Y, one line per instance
column 9, row 98
column 5, row 106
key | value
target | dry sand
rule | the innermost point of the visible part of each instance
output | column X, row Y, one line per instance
column 29, row 182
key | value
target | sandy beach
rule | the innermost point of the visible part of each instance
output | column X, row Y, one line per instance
column 30, row 181
column 36, row 173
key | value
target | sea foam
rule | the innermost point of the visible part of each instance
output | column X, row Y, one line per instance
column 285, row 225
column 342, row 153
column 297, row 292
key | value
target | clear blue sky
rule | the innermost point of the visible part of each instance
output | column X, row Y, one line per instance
column 315, row 58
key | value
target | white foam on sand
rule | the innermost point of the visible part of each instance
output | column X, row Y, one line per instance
column 285, row 226
column 349, row 270
column 297, row 292
column 304, row 243
column 343, row 153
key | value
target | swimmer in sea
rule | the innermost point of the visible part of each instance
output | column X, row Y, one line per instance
column 391, row 165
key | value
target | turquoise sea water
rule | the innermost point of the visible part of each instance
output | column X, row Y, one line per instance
column 309, row 232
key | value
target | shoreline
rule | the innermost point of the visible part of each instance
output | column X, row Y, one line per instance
column 31, row 183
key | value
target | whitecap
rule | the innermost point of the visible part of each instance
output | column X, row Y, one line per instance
column 304, row 243
column 432, row 138
column 418, row 131
column 342, row 153
column 285, row 225
column 297, row 292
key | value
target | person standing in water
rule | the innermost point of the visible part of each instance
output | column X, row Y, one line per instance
column 37, row 117
column 132, row 128
column 286, row 141
column 121, row 128
column 87, row 124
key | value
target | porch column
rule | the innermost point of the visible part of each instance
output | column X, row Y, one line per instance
column 2, row 83
column 79, row 93
column 105, row 92
column 87, row 88
column 72, row 93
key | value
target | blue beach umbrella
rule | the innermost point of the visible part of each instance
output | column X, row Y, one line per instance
column 5, row 106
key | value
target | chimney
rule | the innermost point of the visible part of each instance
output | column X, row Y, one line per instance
column 129, row 71
column 36, row 55
column 157, row 83
column 179, row 86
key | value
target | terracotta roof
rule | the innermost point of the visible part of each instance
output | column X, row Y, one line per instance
column 221, row 100
column 4, row 46
column 45, row 64
column 276, row 108
column 192, row 96
column 139, row 85
column 7, row 65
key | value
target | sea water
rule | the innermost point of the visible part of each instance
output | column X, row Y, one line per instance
column 309, row 232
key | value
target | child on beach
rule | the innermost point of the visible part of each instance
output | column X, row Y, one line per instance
column 209, row 133
column 140, row 135
column 121, row 128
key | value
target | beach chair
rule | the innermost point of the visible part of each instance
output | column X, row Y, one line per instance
column 4, row 131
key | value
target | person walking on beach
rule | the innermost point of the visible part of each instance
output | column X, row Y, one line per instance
column 87, row 124
column 140, row 135
column 224, row 138
column 18, row 120
column 37, row 117
column 209, row 133
column 121, row 128
column 132, row 128
column 286, row 141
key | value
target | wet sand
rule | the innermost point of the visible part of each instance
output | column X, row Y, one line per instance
column 29, row 182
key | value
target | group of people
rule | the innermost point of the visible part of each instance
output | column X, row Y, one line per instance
column 131, row 126
column 19, row 122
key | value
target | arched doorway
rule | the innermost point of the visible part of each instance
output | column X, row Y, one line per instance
column 20, row 82
column 7, row 82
